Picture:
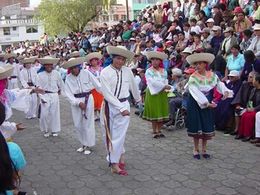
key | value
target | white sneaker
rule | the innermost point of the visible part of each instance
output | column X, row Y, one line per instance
column 81, row 149
column 87, row 152
column 55, row 134
column 46, row 134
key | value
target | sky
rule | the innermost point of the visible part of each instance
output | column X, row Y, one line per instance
column 34, row 2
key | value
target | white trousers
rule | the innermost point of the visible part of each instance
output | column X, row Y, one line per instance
column 32, row 99
column 85, row 128
column 50, row 113
column 13, row 83
column 257, row 125
column 118, row 128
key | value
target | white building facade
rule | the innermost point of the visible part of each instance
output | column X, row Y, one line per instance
column 18, row 24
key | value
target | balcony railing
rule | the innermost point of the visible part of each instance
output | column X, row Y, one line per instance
column 18, row 22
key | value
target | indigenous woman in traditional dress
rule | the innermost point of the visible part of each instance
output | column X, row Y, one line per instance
column 200, row 119
column 156, row 107
column 93, row 59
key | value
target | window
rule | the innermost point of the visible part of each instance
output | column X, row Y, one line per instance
column 31, row 29
column 115, row 17
column 6, row 31
column 14, row 28
column 123, row 17
column 105, row 18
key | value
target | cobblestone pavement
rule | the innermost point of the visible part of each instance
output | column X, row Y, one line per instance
column 163, row 166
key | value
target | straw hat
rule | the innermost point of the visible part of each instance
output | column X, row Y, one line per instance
column 256, row 27
column 20, row 57
column 93, row 55
column 228, row 29
column 48, row 60
column 156, row 54
column 73, row 62
column 6, row 71
column 30, row 60
column 74, row 54
column 10, row 55
column 200, row 57
column 120, row 51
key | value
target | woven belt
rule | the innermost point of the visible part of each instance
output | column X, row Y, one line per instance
column 81, row 95
column 123, row 99
column 13, row 77
column 50, row 92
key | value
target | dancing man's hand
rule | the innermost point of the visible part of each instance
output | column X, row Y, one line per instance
column 125, row 113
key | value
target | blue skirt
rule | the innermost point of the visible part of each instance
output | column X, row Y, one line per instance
column 200, row 122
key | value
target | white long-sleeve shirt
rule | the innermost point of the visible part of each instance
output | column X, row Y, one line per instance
column 116, row 84
column 255, row 46
column 84, row 82
column 28, row 75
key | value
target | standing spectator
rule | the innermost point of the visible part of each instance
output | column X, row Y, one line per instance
column 158, row 14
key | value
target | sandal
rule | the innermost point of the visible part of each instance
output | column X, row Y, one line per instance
column 121, row 166
column 156, row 136
column 205, row 155
column 120, row 172
column 196, row 155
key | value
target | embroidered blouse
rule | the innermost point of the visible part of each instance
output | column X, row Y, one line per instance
column 199, row 85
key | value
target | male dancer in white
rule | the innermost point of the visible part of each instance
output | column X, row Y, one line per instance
column 116, row 82
column 28, row 77
column 78, row 86
column 50, row 81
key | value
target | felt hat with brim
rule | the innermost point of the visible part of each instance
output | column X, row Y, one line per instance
column 48, row 60
column 256, row 27
column 10, row 55
column 157, row 55
column 200, row 57
column 20, row 57
column 93, row 55
column 6, row 71
column 30, row 60
column 176, row 72
column 210, row 20
column 74, row 54
column 216, row 28
column 187, row 50
column 228, row 29
column 234, row 73
column 120, row 51
column 73, row 62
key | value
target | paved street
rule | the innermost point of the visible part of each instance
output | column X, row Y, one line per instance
column 162, row 166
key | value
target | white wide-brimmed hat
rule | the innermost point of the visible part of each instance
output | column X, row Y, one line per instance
column 234, row 73
column 74, row 54
column 93, row 55
column 156, row 55
column 10, row 55
column 256, row 27
column 73, row 62
column 176, row 72
column 120, row 51
column 187, row 50
column 210, row 20
column 200, row 57
column 30, row 60
column 48, row 60
column 6, row 71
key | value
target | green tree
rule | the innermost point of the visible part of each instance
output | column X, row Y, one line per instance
column 61, row 16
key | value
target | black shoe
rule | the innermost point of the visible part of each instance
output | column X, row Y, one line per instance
column 156, row 136
column 196, row 156
column 238, row 137
column 246, row 139
column 22, row 193
column 162, row 135
column 233, row 133
column 227, row 132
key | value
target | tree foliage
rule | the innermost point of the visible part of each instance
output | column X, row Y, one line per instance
column 61, row 16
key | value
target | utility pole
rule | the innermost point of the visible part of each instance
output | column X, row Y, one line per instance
column 127, row 10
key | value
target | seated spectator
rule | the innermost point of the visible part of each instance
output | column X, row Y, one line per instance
column 206, row 38
column 251, row 64
column 235, row 61
column 197, row 44
column 229, row 41
column 246, row 41
column 175, row 99
column 247, row 122
column 255, row 44
column 225, row 110
column 241, row 99
column 217, row 39
column 182, row 42
column 12, row 161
